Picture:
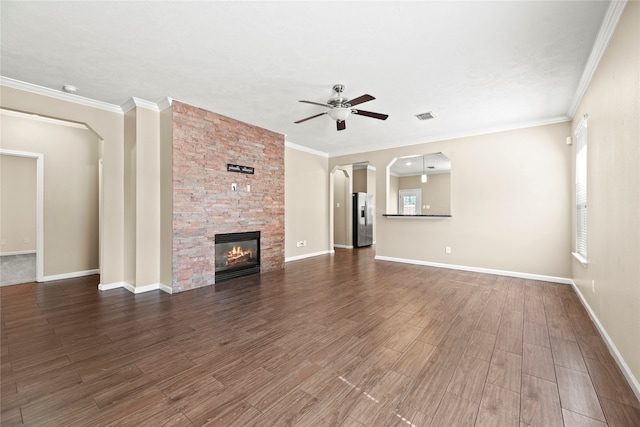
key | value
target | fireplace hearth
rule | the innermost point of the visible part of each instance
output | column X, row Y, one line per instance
column 237, row 254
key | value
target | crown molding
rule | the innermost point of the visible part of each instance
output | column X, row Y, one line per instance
column 63, row 96
column 128, row 106
column 149, row 105
column 165, row 103
column 39, row 118
column 305, row 149
column 609, row 23
column 360, row 166
column 134, row 102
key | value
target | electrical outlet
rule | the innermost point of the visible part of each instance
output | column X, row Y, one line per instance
column 447, row 250
column 593, row 286
column 304, row 243
column 234, row 187
column 248, row 188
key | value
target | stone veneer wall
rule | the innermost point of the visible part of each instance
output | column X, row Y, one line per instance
column 203, row 203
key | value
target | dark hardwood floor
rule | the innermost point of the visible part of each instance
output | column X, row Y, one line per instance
column 330, row 341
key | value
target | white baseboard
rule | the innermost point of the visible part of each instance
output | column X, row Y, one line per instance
column 297, row 257
column 109, row 286
column 17, row 253
column 70, row 275
column 342, row 246
column 145, row 288
column 626, row 371
column 520, row 275
column 165, row 288
column 135, row 289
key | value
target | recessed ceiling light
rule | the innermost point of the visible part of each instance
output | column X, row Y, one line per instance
column 408, row 163
column 69, row 88
column 426, row 116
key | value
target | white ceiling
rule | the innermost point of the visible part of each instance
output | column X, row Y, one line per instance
column 417, row 165
column 479, row 66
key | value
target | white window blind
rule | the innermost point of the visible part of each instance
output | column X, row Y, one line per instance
column 581, row 189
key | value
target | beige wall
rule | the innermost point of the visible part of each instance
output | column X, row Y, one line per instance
column 129, row 195
column 612, row 102
column 306, row 211
column 509, row 194
column 147, row 201
column 142, row 196
column 70, row 190
column 436, row 192
column 392, row 195
column 371, row 188
column 110, row 128
column 360, row 180
column 166, row 197
column 17, row 204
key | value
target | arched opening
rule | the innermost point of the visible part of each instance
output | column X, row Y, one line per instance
column 344, row 181
column 68, row 193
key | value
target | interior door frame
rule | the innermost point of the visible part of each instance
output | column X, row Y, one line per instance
column 39, row 206
column 343, row 169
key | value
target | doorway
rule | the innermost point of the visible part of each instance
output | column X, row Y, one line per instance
column 22, row 194
column 344, row 181
column 67, row 208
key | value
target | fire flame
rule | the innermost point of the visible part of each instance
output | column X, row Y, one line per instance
column 238, row 251
column 238, row 256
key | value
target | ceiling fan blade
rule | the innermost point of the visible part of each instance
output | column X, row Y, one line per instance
column 370, row 114
column 341, row 124
column 315, row 103
column 311, row 117
column 361, row 99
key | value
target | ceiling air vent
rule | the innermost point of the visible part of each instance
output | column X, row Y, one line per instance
column 426, row 116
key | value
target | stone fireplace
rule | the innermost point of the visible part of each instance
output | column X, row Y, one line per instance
column 237, row 254
column 209, row 200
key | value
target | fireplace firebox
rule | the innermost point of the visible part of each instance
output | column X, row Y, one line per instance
column 237, row 254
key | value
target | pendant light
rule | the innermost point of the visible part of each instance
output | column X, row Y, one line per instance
column 423, row 178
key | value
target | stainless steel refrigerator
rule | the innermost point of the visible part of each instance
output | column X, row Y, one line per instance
column 362, row 219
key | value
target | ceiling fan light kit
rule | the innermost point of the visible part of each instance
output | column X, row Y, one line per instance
column 339, row 113
column 339, row 108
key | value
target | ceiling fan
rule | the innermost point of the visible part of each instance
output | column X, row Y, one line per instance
column 340, row 108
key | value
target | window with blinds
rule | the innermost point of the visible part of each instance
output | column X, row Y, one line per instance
column 581, row 189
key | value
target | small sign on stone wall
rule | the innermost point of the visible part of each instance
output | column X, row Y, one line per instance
column 240, row 169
